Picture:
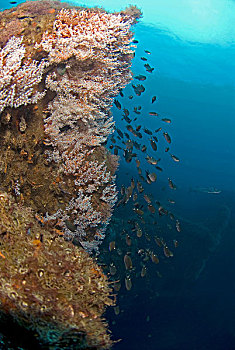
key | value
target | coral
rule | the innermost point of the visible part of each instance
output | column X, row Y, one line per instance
column 60, row 69
column 48, row 285
column 17, row 79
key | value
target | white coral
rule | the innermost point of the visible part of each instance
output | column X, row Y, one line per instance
column 18, row 79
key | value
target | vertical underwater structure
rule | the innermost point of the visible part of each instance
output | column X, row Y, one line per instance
column 60, row 68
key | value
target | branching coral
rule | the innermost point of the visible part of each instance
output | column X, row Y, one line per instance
column 17, row 78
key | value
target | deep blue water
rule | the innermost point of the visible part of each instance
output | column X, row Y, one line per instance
column 185, row 302
column 194, row 85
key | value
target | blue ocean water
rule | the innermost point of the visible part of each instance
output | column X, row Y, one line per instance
column 187, row 301
column 191, row 305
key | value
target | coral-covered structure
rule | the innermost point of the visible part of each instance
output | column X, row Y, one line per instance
column 48, row 285
column 60, row 68
column 56, row 91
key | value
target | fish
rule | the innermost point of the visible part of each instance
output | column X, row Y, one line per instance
column 171, row 184
column 112, row 246
column 155, row 138
column 151, row 208
column 129, row 128
column 147, row 131
column 153, row 113
column 132, row 183
column 166, row 120
column 121, row 93
column 143, row 58
column 128, row 120
column 154, row 258
column 167, row 149
column 172, row 217
column 128, row 283
column 139, row 187
column 147, row 198
column 115, row 151
column 171, row 201
column 112, row 269
column 128, row 155
column 135, row 196
column 210, row 190
column 117, row 286
column 148, row 237
column 140, row 77
column 138, row 89
column 143, row 271
column 111, row 146
column 148, row 52
column 116, row 310
column 126, row 135
column 152, row 177
column 167, row 137
column 153, row 144
column 148, row 68
column 144, row 148
column 127, row 262
column 162, row 211
column 136, row 110
column 112, row 139
column 126, row 112
column 135, row 41
column 128, row 240
column 117, row 104
column 128, row 193
column 129, row 144
column 137, row 163
column 139, row 171
column 130, row 97
column 138, row 211
column 154, row 99
column 152, row 160
column 138, row 128
column 176, row 159
column 157, row 130
column 175, row 243
column 158, row 241
column 177, row 225
column 13, row 2
column 120, row 133
column 167, row 252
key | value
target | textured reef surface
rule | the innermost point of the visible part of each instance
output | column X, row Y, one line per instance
column 60, row 68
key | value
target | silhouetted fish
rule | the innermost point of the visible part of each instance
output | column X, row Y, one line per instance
column 154, row 99
column 138, row 89
column 171, row 184
column 153, row 144
column 140, row 77
column 117, row 104
column 143, row 58
column 166, row 120
column 176, row 159
column 147, row 131
column 153, row 113
column 148, row 52
column 128, row 283
column 119, row 133
column 148, row 68
column 167, row 137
